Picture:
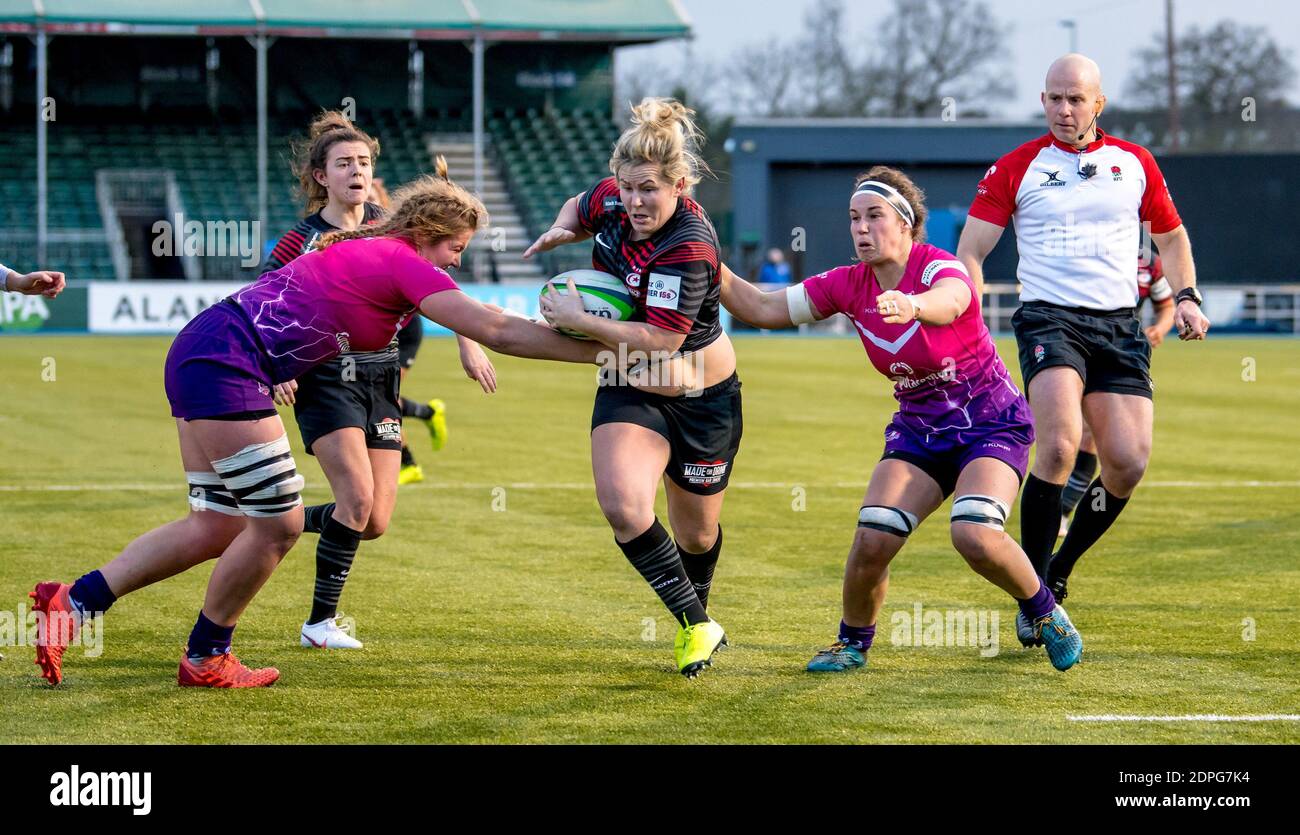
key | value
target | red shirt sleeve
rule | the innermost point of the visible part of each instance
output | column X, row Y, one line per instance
column 1157, row 204
column 592, row 205
column 995, row 196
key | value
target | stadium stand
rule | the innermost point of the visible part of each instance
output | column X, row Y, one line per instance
column 549, row 157
column 171, row 98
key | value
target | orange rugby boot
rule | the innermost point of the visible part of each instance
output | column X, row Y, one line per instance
column 55, row 629
column 222, row 671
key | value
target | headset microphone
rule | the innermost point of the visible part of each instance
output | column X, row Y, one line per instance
column 1080, row 137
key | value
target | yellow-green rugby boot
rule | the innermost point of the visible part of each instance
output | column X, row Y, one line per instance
column 695, row 645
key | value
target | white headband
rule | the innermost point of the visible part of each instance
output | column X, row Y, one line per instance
column 891, row 196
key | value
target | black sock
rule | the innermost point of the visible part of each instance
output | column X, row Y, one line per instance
column 408, row 460
column 654, row 555
column 699, row 568
column 1040, row 520
column 334, row 554
column 1085, row 467
column 1096, row 513
column 416, row 410
column 314, row 517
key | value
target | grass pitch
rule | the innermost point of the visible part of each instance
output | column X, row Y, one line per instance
column 497, row 608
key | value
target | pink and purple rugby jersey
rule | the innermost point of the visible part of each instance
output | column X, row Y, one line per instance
column 352, row 296
column 952, row 388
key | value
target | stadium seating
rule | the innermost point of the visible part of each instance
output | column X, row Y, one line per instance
column 548, row 158
column 545, row 158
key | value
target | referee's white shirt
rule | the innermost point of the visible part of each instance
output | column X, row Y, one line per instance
column 1078, row 217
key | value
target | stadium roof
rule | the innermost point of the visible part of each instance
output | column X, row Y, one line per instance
column 584, row 20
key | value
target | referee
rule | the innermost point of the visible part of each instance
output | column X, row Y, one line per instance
column 1079, row 198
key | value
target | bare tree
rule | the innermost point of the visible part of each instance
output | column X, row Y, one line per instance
column 1232, row 83
column 921, row 53
column 1216, row 68
column 827, row 75
column 761, row 80
column 936, row 49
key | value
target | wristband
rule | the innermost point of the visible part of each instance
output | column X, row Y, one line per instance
column 4, row 277
column 916, row 306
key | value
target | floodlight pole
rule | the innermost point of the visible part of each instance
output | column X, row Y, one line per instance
column 42, row 151
column 261, row 43
column 479, row 47
column 1073, row 27
column 1175, row 126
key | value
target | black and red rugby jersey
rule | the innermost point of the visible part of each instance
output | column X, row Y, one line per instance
column 300, row 239
column 672, row 276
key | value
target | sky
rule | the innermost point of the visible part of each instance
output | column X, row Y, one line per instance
column 1108, row 31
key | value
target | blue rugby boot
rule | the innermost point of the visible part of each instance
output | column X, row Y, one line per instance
column 839, row 657
column 1063, row 642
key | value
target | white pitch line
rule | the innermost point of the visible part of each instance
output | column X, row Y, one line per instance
column 1194, row 717
column 580, row 485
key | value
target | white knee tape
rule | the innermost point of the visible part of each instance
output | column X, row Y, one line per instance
column 981, row 510
column 208, row 492
column 888, row 519
column 263, row 478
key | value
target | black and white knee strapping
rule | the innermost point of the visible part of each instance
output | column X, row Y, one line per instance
column 207, row 492
column 981, row 510
column 888, row 519
column 259, row 480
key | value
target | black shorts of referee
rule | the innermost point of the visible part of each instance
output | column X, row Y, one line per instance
column 1107, row 348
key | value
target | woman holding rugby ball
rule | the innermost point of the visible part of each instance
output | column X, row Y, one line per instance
column 650, row 235
column 961, row 427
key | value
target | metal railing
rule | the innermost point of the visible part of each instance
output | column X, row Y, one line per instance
column 1250, row 308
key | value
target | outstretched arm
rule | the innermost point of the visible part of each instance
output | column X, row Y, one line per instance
column 502, row 333
column 770, row 310
column 567, row 229
column 41, row 282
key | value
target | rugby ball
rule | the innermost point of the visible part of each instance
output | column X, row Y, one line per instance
column 602, row 295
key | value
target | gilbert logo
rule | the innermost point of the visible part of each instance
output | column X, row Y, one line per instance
column 109, row 788
column 1053, row 179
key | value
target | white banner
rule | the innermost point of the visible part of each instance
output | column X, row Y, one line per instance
column 151, row 307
